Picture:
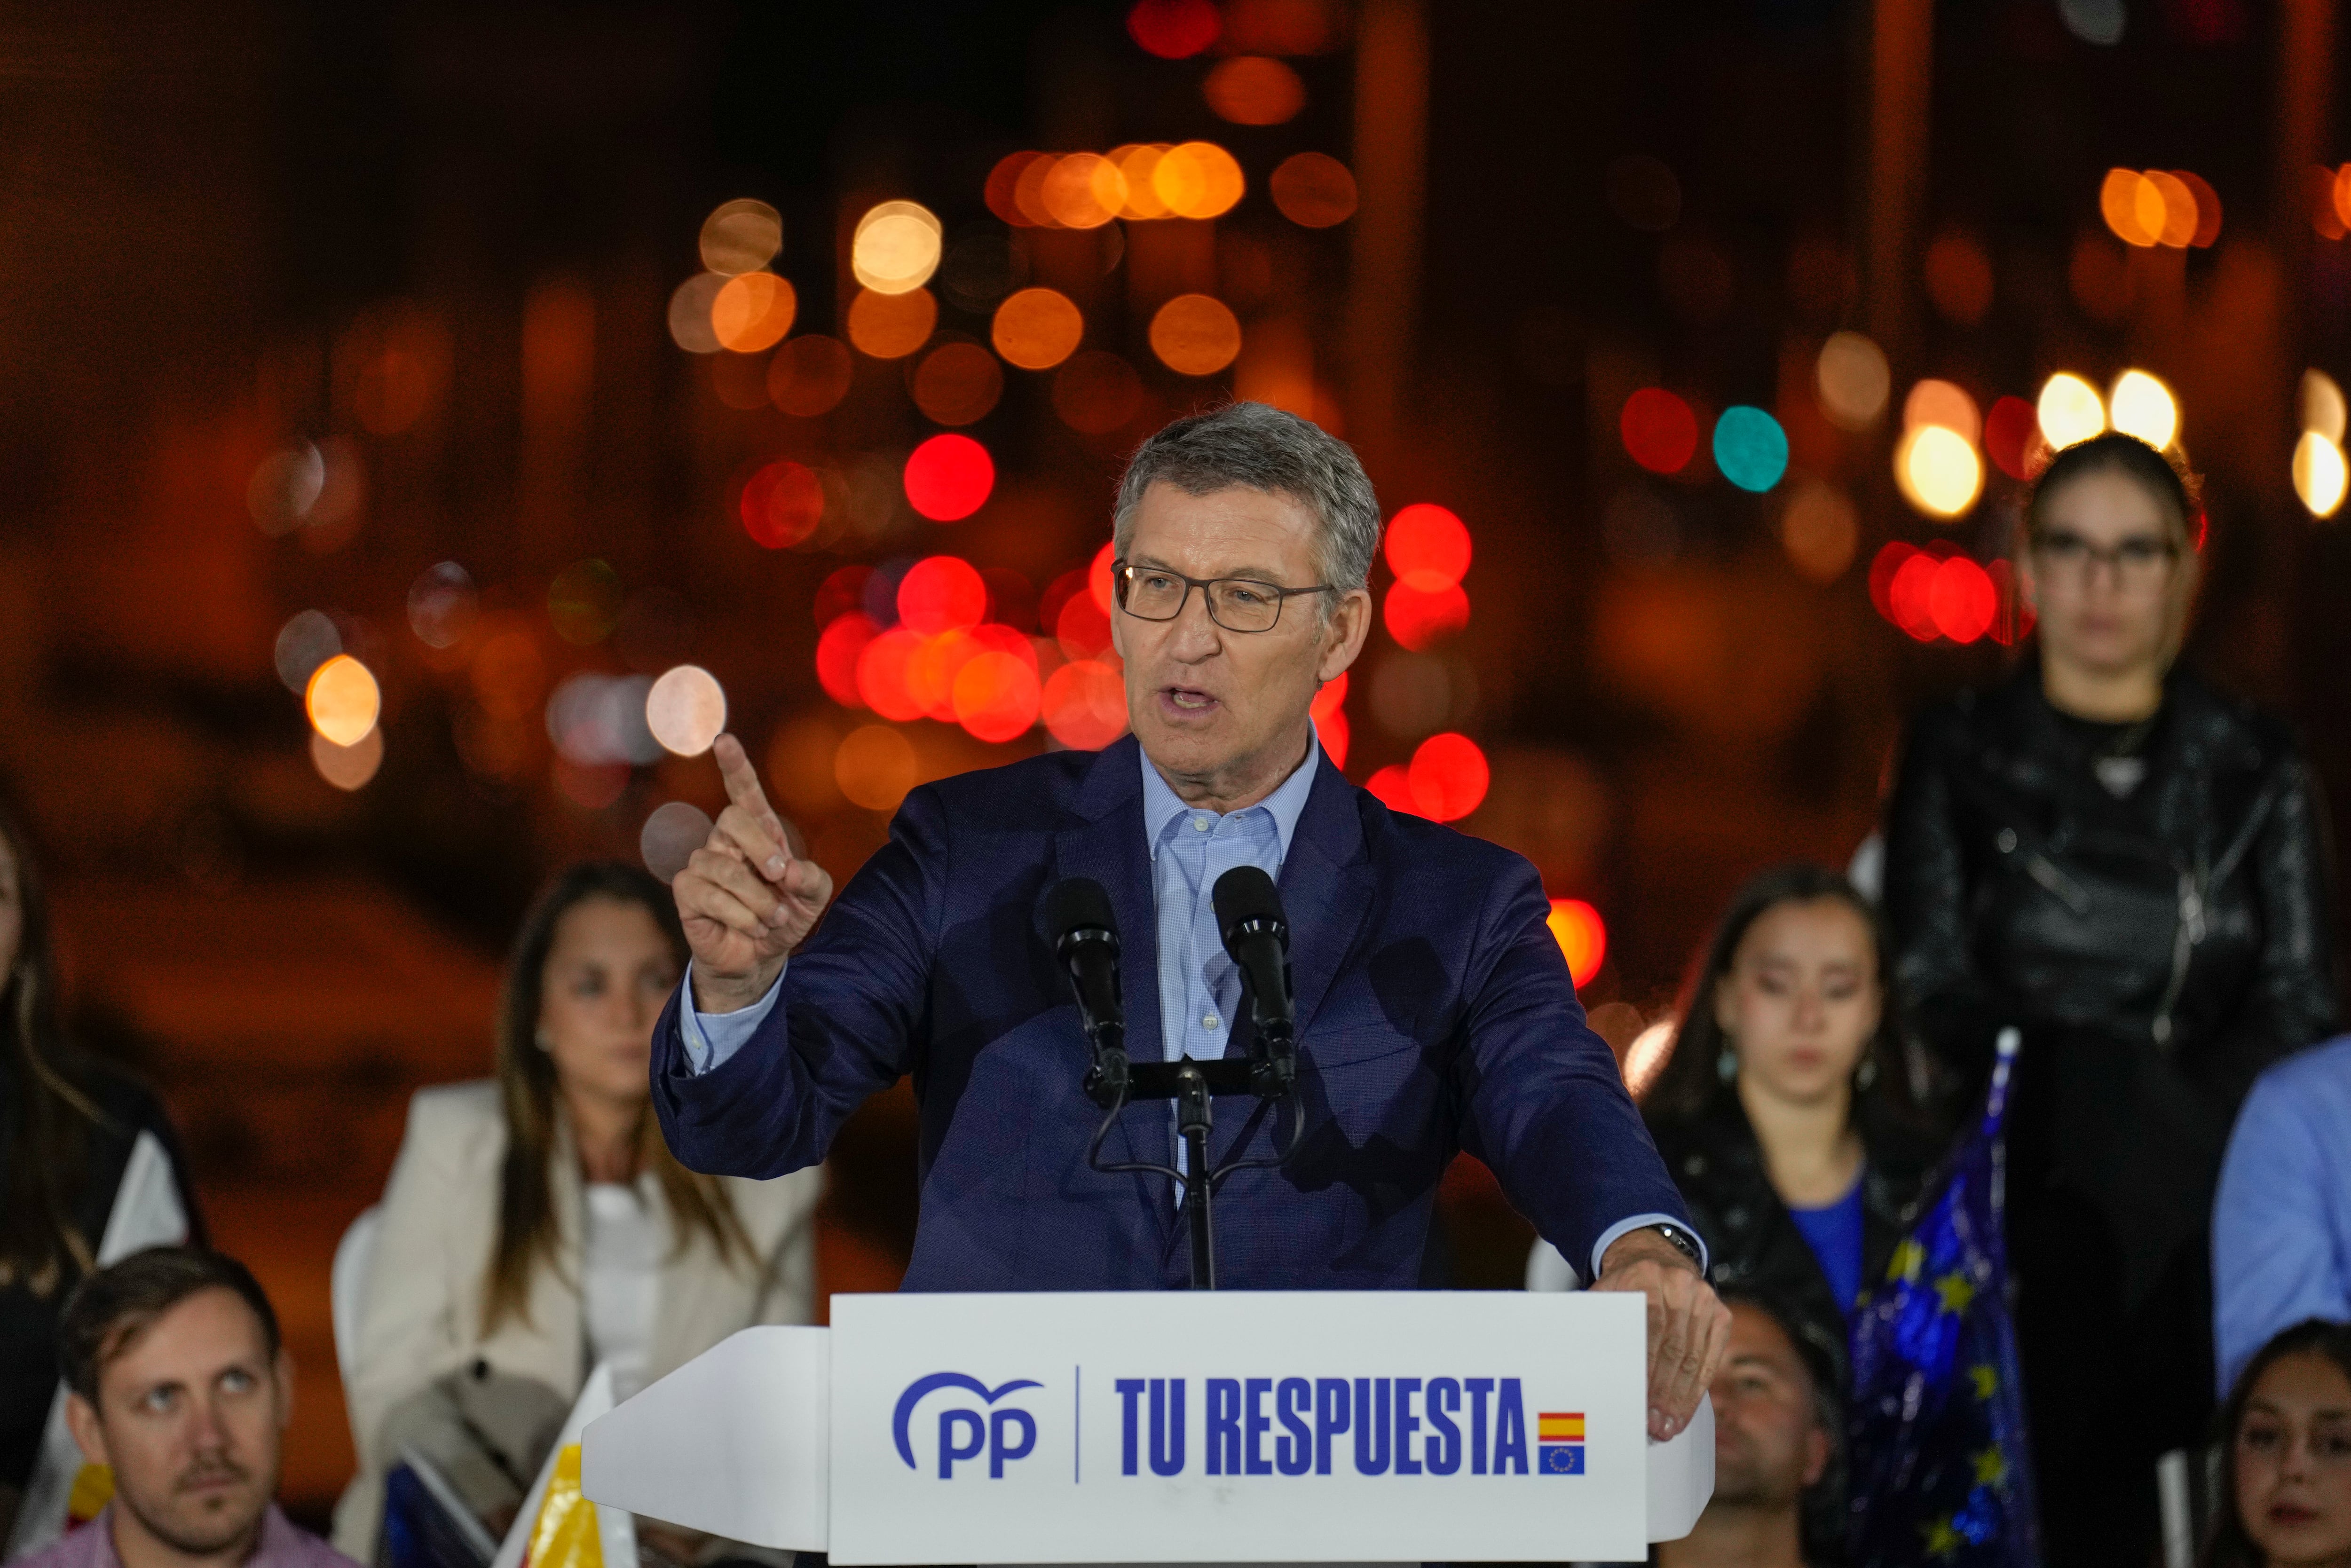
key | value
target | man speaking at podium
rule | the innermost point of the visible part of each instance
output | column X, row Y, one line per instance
column 1433, row 1009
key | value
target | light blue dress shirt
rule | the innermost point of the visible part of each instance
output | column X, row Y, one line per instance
column 1199, row 985
column 2282, row 1222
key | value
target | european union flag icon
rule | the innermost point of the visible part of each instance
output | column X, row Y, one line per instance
column 1563, row 1459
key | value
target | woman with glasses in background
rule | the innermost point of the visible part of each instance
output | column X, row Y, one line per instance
column 2129, row 866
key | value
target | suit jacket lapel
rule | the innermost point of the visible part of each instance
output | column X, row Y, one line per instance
column 1326, row 889
column 1105, row 841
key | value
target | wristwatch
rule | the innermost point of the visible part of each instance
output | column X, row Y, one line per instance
column 1682, row 1241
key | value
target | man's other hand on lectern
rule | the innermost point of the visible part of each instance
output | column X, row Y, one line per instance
column 745, row 900
column 1689, row 1326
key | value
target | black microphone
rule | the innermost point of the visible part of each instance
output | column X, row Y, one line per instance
column 1085, row 939
column 1257, row 935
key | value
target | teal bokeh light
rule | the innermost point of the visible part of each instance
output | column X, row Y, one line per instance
column 1751, row 448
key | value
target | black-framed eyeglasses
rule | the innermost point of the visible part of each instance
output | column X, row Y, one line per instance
column 1235, row 603
column 2136, row 561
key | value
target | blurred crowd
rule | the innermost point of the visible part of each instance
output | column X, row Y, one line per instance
column 2021, row 1148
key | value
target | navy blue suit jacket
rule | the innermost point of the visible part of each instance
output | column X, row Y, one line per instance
column 1435, row 1014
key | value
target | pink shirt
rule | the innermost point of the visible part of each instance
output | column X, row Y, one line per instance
column 282, row 1545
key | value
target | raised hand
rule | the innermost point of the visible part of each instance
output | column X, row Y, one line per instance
column 745, row 901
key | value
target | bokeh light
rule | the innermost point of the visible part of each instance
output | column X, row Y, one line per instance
column 1037, row 329
column 689, row 313
column 781, row 505
column 1749, row 448
column 1173, row 29
column 2320, row 405
column 685, row 709
column 1946, row 404
column 1084, row 705
column 1645, row 192
column 509, row 674
column 1001, row 192
column 2070, row 411
column 1097, row 393
column 1937, row 471
column 673, row 831
column 308, row 639
column 1136, row 161
column 1961, row 601
column 2319, row 474
column 1659, row 430
column 1392, row 787
column 2011, row 437
column 1582, row 936
column 1448, row 776
column 948, row 477
column 1196, row 335
column 892, row 326
column 599, row 720
column 343, row 700
column 2179, row 227
column 1250, row 90
column 2143, row 406
column 882, row 675
column 957, row 383
column 896, row 248
column 1198, row 180
column 347, row 767
column 1854, row 381
column 875, row 767
column 941, row 593
column 838, row 650
column 2134, row 208
column 1820, row 530
column 753, row 312
column 584, row 601
column 1083, row 191
column 1427, row 547
column 2208, row 208
column 1313, row 190
column 1419, row 619
column 996, row 696
column 442, row 606
column 741, row 237
column 810, row 375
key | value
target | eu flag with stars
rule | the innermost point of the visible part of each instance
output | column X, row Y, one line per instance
column 1940, row 1467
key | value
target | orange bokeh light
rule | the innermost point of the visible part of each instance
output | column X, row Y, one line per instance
column 1198, row 180
column 957, row 383
column 876, row 766
column 2133, row 207
column 882, row 682
column 941, row 593
column 1582, row 936
column 1003, row 183
column 1419, row 619
column 1313, row 190
column 892, row 326
column 1037, row 329
column 753, row 311
column 838, row 651
column 808, row 375
column 1084, row 705
column 996, row 696
column 1946, row 404
column 1096, row 392
column 1448, row 777
column 1136, row 161
column 1196, row 335
column 1427, row 547
column 1084, row 191
column 343, row 700
column 1252, row 90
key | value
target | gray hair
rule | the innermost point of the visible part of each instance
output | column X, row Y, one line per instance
column 1259, row 446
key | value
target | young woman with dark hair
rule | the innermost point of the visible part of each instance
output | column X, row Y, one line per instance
column 2285, row 1456
column 1784, row 1110
column 68, row 1124
column 2127, row 866
column 538, row 1224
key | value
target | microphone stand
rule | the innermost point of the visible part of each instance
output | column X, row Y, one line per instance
column 1193, row 1119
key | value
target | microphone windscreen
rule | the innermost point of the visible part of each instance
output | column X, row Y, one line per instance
column 1246, row 893
column 1077, row 904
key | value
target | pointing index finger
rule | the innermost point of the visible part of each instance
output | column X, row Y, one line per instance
column 742, row 782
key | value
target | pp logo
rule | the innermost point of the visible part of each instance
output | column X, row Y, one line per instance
column 1005, row 1435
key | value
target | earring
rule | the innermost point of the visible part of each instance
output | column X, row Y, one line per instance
column 1867, row 1073
column 1726, row 1066
column 544, row 1040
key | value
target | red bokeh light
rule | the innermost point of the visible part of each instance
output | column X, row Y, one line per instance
column 1330, row 719
column 1327, row 700
column 781, row 505
column 1173, row 29
column 841, row 592
column 838, row 651
column 1582, row 936
column 1001, row 194
column 1910, row 597
column 996, row 696
column 1098, row 581
column 1882, row 569
column 996, row 639
column 2010, row 431
column 1085, row 706
column 948, row 477
column 882, row 671
column 1659, row 430
column 1083, row 630
column 932, row 669
column 1392, row 786
column 1962, row 600
column 1420, row 620
column 1448, row 777
column 941, row 593
column 1427, row 548
column 2014, row 617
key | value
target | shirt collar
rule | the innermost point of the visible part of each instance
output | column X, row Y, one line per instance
column 1285, row 805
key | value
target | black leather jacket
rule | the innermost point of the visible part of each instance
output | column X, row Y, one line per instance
column 2157, row 950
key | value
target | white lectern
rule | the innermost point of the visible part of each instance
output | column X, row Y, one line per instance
column 1225, row 1426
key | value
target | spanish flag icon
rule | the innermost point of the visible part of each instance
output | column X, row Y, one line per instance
column 1559, row 1426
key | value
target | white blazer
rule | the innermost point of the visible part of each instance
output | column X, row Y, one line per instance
column 422, row 1316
